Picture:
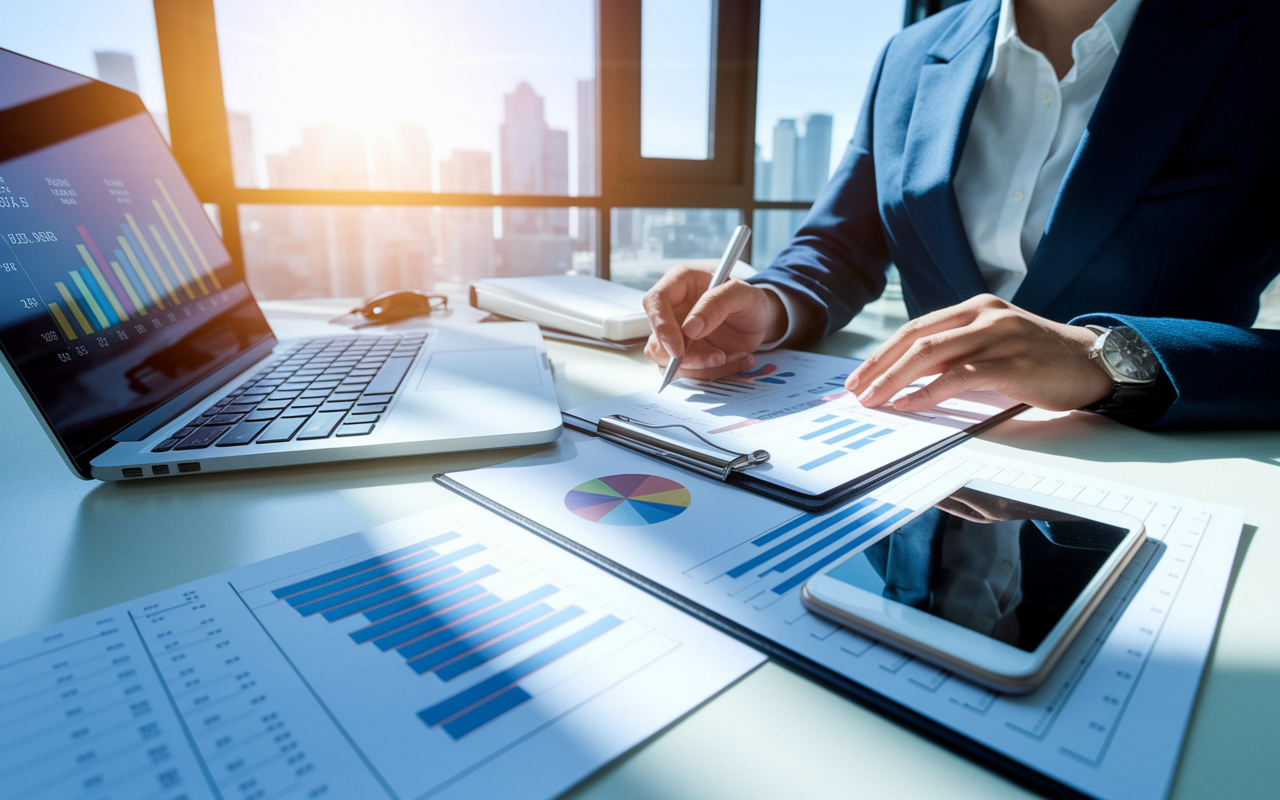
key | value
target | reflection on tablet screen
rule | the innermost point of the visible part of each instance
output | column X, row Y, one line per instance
column 1004, row 569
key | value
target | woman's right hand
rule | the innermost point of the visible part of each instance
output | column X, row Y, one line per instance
column 716, row 332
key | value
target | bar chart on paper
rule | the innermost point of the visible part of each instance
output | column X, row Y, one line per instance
column 437, row 656
column 451, row 608
column 766, row 568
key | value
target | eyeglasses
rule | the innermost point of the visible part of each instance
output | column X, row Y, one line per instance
column 399, row 305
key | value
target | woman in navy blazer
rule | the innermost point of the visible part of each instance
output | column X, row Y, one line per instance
column 1168, row 221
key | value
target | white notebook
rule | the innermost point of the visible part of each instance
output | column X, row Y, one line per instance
column 578, row 304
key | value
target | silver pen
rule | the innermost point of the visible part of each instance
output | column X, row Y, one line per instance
column 737, row 243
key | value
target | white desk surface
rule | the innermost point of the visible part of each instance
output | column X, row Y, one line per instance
column 68, row 547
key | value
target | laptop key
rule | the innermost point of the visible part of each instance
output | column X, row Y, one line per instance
column 242, row 434
column 166, row 445
column 203, row 437
column 362, row 417
column 262, row 414
column 332, row 406
column 321, row 425
column 282, row 430
column 273, row 405
column 358, row 429
column 226, row 419
column 389, row 377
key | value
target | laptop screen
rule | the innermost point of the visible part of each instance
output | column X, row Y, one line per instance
column 116, row 293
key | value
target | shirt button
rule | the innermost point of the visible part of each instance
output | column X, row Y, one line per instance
column 1017, row 196
column 1046, row 97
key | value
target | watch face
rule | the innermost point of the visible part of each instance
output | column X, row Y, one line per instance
column 1129, row 357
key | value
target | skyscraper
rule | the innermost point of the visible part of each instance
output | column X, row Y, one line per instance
column 586, row 162
column 813, row 158
column 535, row 160
column 798, row 171
column 782, row 186
column 243, row 166
column 117, row 69
column 402, row 159
column 467, row 233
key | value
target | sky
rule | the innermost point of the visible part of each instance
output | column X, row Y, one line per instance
column 445, row 65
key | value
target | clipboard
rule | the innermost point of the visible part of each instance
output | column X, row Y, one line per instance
column 887, row 707
column 694, row 453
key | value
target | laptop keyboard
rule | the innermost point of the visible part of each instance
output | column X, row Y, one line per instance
column 335, row 386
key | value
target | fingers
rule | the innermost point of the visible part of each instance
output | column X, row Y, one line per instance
column 957, row 316
column 949, row 384
column 703, row 361
column 956, row 507
column 714, row 307
column 932, row 354
column 667, row 304
column 698, row 356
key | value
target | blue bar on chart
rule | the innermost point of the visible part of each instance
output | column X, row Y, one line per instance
column 440, row 620
column 845, row 434
column 469, row 709
column 832, row 428
column 809, row 535
column 869, row 439
column 819, row 461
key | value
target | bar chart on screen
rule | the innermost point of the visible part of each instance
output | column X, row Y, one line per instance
column 103, row 255
column 147, row 271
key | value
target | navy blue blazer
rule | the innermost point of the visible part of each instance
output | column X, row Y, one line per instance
column 1168, row 219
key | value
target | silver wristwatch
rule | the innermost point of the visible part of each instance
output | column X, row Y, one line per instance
column 1133, row 368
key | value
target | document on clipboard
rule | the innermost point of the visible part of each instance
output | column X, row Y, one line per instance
column 788, row 429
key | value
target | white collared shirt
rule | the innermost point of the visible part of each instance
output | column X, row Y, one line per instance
column 1023, row 135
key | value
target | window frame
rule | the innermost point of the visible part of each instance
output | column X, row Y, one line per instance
column 201, row 139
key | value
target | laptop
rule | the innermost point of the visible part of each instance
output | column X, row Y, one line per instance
column 139, row 347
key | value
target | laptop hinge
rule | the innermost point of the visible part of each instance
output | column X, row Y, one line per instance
column 166, row 412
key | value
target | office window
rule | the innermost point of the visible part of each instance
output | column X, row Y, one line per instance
column 111, row 40
column 646, row 242
column 330, row 94
column 816, row 58
column 771, row 230
column 675, row 78
column 294, row 251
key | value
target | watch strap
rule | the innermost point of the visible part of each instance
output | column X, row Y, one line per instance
column 1125, row 397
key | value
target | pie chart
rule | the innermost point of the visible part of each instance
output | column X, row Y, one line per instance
column 628, row 499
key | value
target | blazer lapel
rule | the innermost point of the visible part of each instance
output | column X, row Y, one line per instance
column 946, row 95
column 1169, row 65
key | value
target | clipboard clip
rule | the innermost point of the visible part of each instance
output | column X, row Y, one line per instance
column 701, row 456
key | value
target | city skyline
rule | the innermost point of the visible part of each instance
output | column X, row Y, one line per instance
column 309, row 84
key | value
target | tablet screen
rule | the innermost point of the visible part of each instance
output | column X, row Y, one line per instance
column 996, row 566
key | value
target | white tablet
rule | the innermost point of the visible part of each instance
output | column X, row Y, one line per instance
column 992, row 583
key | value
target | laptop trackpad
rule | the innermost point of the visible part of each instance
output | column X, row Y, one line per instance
column 505, row 368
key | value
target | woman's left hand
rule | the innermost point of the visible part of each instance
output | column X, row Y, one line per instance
column 983, row 343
